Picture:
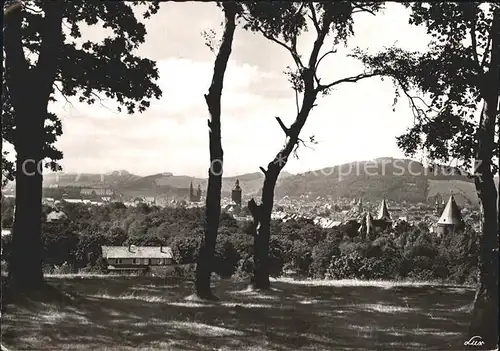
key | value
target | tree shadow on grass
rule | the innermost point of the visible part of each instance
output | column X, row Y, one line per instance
column 152, row 313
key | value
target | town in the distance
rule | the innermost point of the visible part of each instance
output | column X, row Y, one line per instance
column 440, row 202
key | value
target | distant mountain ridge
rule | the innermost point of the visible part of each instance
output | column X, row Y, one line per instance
column 401, row 180
column 165, row 183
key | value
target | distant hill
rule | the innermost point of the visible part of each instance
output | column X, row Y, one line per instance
column 88, row 179
column 401, row 180
column 169, row 184
column 395, row 179
column 157, row 184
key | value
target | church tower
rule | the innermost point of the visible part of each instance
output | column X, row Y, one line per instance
column 191, row 192
column 236, row 193
column 383, row 220
column 198, row 193
column 437, row 205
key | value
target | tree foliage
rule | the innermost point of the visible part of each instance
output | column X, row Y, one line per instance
column 445, row 84
column 460, row 70
column 85, row 70
column 42, row 57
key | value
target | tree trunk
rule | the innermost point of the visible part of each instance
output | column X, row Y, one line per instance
column 485, row 312
column 262, row 213
column 29, row 89
column 25, row 268
column 260, row 278
column 205, row 260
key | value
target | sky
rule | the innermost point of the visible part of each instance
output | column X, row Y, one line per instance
column 355, row 122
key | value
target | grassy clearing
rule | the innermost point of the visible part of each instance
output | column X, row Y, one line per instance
column 149, row 313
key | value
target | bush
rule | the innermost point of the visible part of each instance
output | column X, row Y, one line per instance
column 321, row 257
column 186, row 271
column 422, row 269
column 226, row 257
column 374, row 268
column 361, row 248
column 297, row 244
column 245, row 268
column 99, row 267
column 185, row 249
column 345, row 266
column 276, row 258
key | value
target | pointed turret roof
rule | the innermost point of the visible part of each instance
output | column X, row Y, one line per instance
column 383, row 213
column 451, row 214
column 237, row 185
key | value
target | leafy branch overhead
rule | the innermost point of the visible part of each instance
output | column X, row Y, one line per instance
column 450, row 78
column 87, row 70
column 283, row 22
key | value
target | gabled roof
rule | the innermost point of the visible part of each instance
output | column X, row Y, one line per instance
column 137, row 252
column 451, row 214
column 383, row 213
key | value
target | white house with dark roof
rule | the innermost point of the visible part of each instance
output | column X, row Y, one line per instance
column 137, row 257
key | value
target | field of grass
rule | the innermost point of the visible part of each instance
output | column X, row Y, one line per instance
column 150, row 313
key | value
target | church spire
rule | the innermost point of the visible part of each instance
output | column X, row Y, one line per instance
column 451, row 214
column 383, row 213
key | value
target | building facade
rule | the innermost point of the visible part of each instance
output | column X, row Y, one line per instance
column 194, row 196
column 136, row 257
column 236, row 193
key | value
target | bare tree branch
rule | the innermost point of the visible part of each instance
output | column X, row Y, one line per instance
column 357, row 8
column 282, row 125
column 313, row 17
column 263, row 170
column 353, row 79
column 290, row 49
column 334, row 51
column 320, row 39
column 65, row 97
column 101, row 101
column 417, row 111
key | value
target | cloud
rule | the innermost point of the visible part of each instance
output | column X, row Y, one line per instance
column 355, row 121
